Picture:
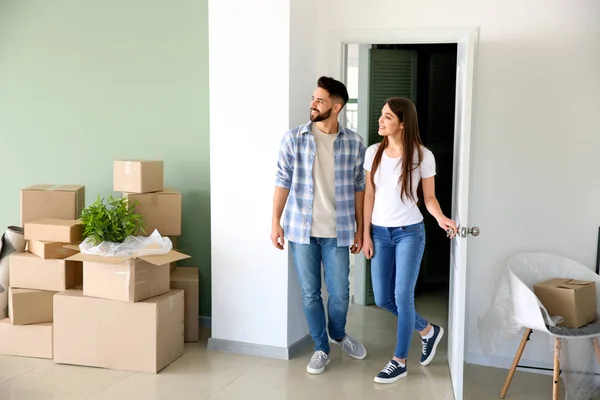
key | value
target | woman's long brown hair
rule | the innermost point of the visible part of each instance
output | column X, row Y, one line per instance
column 411, row 141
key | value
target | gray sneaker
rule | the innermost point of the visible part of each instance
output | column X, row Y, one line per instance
column 318, row 362
column 352, row 347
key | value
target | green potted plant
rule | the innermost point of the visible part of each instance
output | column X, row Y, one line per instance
column 111, row 220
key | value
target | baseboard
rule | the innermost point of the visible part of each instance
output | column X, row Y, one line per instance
column 504, row 362
column 259, row 350
column 205, row 321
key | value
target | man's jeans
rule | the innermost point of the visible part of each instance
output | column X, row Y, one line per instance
column 336, row 263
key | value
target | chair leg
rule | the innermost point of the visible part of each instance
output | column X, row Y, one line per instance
column 597, row 348
column 513, row 368
column 556, row 369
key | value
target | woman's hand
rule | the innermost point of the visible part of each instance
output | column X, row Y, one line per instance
column 448, row 225
column 367, row 246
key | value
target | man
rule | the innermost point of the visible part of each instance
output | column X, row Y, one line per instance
column 321, row 177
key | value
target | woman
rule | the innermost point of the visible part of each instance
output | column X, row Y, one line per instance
column 394, row 233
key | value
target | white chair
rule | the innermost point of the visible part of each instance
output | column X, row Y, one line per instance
column 525, row 270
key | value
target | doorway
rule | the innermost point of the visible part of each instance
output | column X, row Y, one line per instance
column 466, row 41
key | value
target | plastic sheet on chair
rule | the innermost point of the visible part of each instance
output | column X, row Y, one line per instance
column 507, row 317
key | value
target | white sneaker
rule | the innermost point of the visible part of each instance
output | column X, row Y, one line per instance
column 318, row 362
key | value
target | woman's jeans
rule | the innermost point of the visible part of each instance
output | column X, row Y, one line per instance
column 336, row 264
column 397, row 254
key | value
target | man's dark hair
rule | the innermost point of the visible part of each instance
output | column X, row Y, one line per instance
column 335, row 88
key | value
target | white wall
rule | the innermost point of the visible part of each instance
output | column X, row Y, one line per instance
column 535, row 176
column 250, row 91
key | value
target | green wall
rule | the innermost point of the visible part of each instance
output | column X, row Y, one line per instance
column 83, row 83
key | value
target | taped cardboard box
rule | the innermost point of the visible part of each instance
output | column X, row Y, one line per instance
column 26, row 340
column 138, row 176
column 50, row 250
column 128, row 279
column 573, row 300
column 187, row 279
column 55, row 230
column 51, row 201
column 139, row 337
column 28, row 271
column 28, row 306
column 160, row 210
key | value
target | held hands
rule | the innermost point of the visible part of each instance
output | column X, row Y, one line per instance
column 358, row 242
column 277, row 236
column 448, row 225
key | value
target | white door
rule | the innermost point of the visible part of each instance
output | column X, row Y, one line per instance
column 467, row 48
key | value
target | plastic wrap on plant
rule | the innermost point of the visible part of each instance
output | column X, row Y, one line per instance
column 514, row 307
column 132, row 246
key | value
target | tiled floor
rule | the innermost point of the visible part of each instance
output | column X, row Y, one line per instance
column 201, row 374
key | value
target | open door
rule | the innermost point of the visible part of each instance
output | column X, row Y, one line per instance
column 465, row 74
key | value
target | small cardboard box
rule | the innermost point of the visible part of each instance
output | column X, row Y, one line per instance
column 55, row 230
column 26, row 340
column 51, row 201
column 573, row 300
column 138, row 176
column 27, row 306
column 50, row 250
column 160, row 210
column 127, row 279
column 28, row 271
column 139, row 337
column 186, row 279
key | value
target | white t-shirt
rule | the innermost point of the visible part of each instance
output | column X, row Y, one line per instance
column 324, row 216
column 390, row 210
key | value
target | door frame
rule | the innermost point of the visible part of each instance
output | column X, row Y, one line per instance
column 337, row 66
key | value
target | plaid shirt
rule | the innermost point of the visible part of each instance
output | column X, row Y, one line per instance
column 294, row 171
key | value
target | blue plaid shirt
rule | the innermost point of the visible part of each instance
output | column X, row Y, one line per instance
column 294, row 172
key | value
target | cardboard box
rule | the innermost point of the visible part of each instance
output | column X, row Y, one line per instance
column 27, row 306
column 139, row 337
column 28, row 271
column 49, row 250
column 138, row 176
column 161, row 211
column 55, row 230
column 126, row 278
column 26, row 340
column 51, row 201
column 187, row 279
column 573, row 300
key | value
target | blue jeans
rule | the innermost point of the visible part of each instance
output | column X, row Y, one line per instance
column 397, row 254
column 336, row 263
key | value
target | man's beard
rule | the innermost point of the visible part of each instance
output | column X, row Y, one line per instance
column 320, row 116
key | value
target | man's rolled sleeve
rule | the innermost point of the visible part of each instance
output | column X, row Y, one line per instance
column 285, row 163
column 359, row 170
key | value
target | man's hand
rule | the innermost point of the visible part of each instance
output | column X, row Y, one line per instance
column 358, row 242
column 277, row 236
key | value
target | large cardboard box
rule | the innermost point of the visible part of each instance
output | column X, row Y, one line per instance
column 138, row 176
column 573, row 300
column 139, row 337
column 51, row 201
column 126, row 278
column 160, row 210
column 28, row 271
column 26, row 340
column 55, row 230
column 187, row 279
column 50, row 250
column 27, row 306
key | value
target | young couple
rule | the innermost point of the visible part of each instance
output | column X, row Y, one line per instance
column 331, row 207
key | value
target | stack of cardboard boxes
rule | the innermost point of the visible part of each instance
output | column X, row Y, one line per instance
column 37, row 275
column 125, row 313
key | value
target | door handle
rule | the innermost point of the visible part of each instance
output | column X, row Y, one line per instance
column 463, row 232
